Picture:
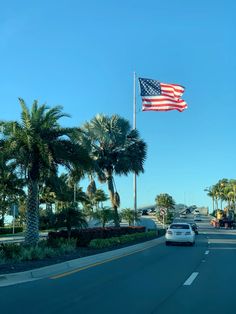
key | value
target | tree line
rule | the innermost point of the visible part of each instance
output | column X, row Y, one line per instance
column 35, row 149
column 223, row 193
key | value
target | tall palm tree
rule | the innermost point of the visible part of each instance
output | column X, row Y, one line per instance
column 116, row 150
column 232, row 191
column 220, row 187
column 38, row 144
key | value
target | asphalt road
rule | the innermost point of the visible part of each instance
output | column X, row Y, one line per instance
column 175, row 279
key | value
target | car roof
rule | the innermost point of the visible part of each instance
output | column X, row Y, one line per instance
column 180, row 223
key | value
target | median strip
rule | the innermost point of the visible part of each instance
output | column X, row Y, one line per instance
column 190, row 280
column 100, row 263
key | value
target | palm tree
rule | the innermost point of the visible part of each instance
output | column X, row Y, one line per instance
column 130, row 215
column 165, row 200
column 64, row 191
column 232, row 193
column 104, row 215
column 99, row 197
column 70, row 217
column 38, row 144
column 116, row 150
column 95, row 196
column 220, row 187
column 11, row 187
column 216, row 194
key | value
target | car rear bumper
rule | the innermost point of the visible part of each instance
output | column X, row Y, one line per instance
column 181, row 239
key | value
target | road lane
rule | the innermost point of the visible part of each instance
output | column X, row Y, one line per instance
column 213, row 291
column 137, row 283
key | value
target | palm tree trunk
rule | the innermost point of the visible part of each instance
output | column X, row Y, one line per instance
column 112, row 194
column 32, row 214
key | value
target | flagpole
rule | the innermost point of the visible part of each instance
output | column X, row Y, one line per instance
column 134, row 127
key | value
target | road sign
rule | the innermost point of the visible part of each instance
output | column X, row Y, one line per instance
column 162, row 211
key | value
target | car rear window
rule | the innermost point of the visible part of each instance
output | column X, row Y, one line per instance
column 179, row 226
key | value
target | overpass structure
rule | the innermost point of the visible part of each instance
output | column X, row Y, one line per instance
column 148, row 207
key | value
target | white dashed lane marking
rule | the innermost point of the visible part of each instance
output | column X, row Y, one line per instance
column 190, row 280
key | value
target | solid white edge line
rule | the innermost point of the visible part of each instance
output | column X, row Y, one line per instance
column 190, row 280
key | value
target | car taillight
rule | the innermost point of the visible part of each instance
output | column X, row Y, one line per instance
column 169, row 232
column 188, row 233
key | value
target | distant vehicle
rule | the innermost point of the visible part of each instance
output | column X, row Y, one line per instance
column 180, row 233
column 196, row 212
column 197, row 218
column 194, row 227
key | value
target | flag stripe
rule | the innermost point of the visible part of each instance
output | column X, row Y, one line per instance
column 163, row 109
column 165, row 104
column 172, row 92
column 158, row 96
column 173, row 86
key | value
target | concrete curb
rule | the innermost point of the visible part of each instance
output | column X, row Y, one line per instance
column 56, row 269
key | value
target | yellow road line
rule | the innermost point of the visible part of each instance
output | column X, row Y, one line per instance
column 99, row 263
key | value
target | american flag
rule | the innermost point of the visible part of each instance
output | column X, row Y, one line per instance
column 158, row 96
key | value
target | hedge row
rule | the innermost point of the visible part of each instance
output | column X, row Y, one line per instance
column 114, row 241
column 161, row 232
column 6, row 230
column 84, row 236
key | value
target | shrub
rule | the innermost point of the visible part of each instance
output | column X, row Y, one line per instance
column 10, row 251
column 161, row 232
column 114, row 241
column 84, row 236
column 45, row 249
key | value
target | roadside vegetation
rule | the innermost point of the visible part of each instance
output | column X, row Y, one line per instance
column 60, row 244
column 223, row 195
column 33, row 149
column 166, row 205
column 15, row 252
column 41, row 166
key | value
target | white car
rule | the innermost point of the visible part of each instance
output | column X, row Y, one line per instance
column 180, row 233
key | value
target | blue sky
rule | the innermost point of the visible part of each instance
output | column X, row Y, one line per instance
column 82, row 55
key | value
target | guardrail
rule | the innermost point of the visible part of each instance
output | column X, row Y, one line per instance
column 18, row 239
